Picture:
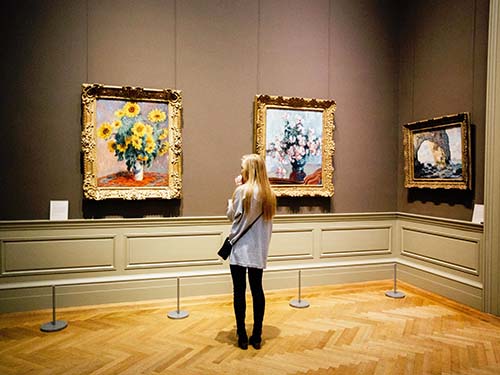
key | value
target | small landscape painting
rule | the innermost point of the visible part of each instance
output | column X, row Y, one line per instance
column 437, row 153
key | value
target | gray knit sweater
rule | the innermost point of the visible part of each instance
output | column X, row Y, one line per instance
column 252, row 248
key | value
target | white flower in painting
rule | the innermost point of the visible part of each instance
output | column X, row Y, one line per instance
column 313, row 147
column 302, row 140
column 295, row 144
column 280, row 172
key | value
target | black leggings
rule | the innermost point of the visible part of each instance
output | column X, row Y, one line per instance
column 238, row 274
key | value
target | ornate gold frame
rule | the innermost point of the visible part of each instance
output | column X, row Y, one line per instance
column 327, row 108
column 417, row 131
column 91, row 93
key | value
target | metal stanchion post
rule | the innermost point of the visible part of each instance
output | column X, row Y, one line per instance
column 395, row 293
column 299, row 303
column 178, row 314
column 54, row 325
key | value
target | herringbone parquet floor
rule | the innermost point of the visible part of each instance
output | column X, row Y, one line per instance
column 349, row 329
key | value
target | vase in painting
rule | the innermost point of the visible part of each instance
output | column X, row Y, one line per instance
column 138, row 171
column 298, row 173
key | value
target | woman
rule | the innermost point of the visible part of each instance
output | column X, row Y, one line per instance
column 253, row 205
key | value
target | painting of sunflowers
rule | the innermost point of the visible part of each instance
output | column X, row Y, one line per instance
column 131, row 142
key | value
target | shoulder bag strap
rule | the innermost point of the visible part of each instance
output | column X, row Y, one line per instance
column 246, row 229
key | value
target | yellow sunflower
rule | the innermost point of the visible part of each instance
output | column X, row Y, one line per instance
column 163, row 149
column 131, row 109
column 142, row 158
column 139, row 129
column 117, row 124
column 150, row 148
column 119, row 113
column 150, row 144
column 149, row 129
column 137, row 143
column 157, row 115
column 112, row 146
column 164, row 134
column 105, row 130
column 121, row 148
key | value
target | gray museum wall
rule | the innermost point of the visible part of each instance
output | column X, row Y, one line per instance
column 366, row 55
column 443, row 54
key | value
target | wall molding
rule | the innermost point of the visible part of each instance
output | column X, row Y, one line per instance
column 140, row 254
column 451, row 286
column 10, row 258
column 491, row 259
column 194, row 221
column 328, row 248
column 436, row 259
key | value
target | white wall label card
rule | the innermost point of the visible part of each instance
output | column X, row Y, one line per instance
column 59, row 210
column 478, row 214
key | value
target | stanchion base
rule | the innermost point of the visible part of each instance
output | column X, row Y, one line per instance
column 178, row 314
column 395, row 294
column 300, row 304
column 54, row 326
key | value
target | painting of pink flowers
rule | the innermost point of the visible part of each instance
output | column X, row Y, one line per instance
column 295, row 136
column 293, row 145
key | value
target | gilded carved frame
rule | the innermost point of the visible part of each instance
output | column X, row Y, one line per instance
column 131, row 142
column 437, row 153
column 295, row 137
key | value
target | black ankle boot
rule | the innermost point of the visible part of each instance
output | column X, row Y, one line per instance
column 243, row 341
column 255, row 341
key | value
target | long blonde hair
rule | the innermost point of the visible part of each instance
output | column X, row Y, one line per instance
column 254, row 175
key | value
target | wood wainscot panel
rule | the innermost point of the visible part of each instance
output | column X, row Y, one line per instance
column 151, row 250
column 356, row 240
column 291, row 244
column 46, row 255
column 452, row 251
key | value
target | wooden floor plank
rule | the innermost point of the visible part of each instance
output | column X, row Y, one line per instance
column 348, row 329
